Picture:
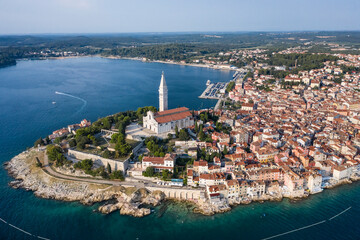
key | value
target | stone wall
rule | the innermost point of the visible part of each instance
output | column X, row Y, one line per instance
column 138, row 147
column 114, row 164
column 179, row 193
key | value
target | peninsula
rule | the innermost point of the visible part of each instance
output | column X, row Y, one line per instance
column 286, row 125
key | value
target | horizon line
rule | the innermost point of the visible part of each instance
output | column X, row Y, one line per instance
column 177, row 32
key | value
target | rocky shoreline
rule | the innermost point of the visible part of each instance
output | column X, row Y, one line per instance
column 31, row 178
column 126, row 200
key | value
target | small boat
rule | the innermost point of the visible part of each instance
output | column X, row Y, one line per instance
column 53, row 102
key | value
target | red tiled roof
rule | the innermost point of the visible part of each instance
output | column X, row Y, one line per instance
column 155, row 160
column 172, row 115
column 200, row 163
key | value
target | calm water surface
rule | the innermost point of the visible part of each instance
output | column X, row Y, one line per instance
column 101, row 87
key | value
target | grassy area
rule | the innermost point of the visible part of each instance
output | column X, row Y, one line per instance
column 133, row 143
column 104, row 144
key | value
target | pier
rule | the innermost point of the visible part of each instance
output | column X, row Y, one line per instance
column 214, row 90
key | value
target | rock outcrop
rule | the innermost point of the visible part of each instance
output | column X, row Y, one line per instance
column 32, row 178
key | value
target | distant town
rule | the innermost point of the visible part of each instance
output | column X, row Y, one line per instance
column 286, row 125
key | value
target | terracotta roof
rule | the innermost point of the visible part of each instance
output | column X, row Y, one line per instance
column 172, row 115
column 155, row 160
column 200, row 163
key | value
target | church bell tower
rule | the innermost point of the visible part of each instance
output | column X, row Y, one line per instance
column 163, row 94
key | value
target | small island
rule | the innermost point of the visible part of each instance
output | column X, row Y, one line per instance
column 284, row 129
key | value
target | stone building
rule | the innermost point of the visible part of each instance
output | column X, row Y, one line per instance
column 166, row 120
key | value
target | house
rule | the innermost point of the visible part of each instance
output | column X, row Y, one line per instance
column 342, row 172
column 233, row 188
column 256, row 189
column 201, row 166
column 220, row 189
column 314, row 182
column 59, row 133
column 247, row 106
column 293, row 182
column 159, row 163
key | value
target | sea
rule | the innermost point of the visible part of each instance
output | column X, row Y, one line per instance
column 40, row 96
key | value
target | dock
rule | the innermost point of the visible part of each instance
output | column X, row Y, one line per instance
column 214, row 90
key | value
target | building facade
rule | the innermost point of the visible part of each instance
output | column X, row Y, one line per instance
column 166, row 120
column 159, row 163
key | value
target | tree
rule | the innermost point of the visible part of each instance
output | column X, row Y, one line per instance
column 85, row 165
column 166, row 174
column 58, row 140
column 108, row 167
column 123, row 149
column 38, row 163
column 230, row 86
column 225, row 150
column 106, row 123
column 117, row 175
column 176, row 131
column 54, row 154
column 183, row 135
column 93, row 140
column 202, row 135
column 104, row 174
column 149, row 172
column 170, row 136
column 72, row 142
column 196, row 128
column 81, row 141
column 40, row 142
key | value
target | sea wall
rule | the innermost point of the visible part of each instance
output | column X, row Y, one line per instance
column 182, row 194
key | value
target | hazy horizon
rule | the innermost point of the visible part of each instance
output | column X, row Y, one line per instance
column 168, row 33
column 21, row 17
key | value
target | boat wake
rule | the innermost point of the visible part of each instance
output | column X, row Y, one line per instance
column 21, row 230
column 72, row 96
column 312, row 225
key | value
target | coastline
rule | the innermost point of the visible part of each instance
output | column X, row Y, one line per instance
column 169, row 62
column 128, row 200
column 127, row 58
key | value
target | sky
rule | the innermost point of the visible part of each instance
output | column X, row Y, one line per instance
column 119, row 16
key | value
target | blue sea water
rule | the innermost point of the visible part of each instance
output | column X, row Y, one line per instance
column 107, row 86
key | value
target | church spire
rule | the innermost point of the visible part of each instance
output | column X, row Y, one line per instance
column 163, row 94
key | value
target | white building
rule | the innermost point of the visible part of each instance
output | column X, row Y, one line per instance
column 314, row 183
column 165, row 120
column 342, row 172
column 159, row 163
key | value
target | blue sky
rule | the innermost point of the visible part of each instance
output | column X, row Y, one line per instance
column 117, row 16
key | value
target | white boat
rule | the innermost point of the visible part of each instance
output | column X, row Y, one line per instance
column 53, row 102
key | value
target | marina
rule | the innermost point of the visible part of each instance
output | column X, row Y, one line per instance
column 217, row 89
column 214, row 90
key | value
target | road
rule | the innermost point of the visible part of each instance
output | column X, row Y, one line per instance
column 53, row 173
column 136, row 184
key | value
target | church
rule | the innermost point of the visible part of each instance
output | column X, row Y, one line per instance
column 165, row 120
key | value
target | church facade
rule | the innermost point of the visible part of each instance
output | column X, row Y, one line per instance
column 166, row 120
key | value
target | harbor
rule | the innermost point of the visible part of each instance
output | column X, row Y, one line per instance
column 217, row 89
column 214, row 90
